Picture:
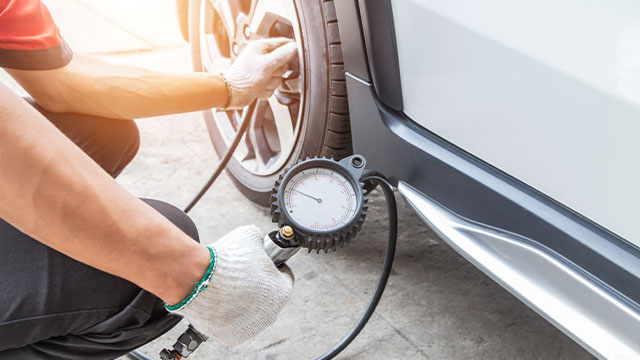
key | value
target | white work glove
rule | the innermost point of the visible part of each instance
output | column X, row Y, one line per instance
column 258, row 70
column 245, row 293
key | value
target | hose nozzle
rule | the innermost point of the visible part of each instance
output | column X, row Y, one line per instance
column 281, row 245
column 286, row 233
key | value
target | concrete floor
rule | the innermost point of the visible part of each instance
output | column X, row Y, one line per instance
column 436, row 304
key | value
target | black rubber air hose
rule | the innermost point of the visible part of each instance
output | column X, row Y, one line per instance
column 392, row 213
column 244, row 124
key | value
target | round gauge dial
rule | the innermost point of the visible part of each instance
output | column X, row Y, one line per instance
column 320, row 199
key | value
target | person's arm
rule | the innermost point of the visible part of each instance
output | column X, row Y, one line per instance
column 56, row 194
column 91, row 86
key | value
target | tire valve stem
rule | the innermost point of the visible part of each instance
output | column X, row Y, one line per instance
column 281, row 245
column 287, row 233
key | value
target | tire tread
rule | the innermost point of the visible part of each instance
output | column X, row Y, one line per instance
column 337, row 137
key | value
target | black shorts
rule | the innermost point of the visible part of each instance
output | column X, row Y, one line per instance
column 54, row 307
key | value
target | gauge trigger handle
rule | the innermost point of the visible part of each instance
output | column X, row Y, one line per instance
column 278, row 249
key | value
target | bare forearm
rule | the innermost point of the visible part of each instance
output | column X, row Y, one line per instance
column 53, row 192
column 91, row 86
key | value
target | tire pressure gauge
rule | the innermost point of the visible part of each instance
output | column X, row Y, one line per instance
column 322, row 201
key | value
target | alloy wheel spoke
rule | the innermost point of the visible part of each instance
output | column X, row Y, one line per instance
column 256, row 136
column 293, row 85
column 227, row 12
column 256, row 145
column 245, row 147
column 265, row 13
column 283, row 122
column 214, row 62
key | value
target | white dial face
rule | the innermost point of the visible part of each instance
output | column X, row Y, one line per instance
column 320, row 199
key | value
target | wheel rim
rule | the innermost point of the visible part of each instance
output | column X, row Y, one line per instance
column 225, row 27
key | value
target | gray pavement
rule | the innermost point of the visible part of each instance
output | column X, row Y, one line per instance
column 436, row 305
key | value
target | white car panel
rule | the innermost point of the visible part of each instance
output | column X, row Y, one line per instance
column 547, row 91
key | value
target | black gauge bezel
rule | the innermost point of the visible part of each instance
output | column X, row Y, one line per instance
column 352, row 169
column 324, row 164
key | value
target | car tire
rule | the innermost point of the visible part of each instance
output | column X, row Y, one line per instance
column 324, row 129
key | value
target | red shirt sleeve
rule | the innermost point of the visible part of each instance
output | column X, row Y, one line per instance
column 29, row 38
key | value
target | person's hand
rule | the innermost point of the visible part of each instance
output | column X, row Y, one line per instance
column 246, row 291
column 258, row 70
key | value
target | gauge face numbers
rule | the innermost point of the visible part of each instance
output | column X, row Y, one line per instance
column 320, row 199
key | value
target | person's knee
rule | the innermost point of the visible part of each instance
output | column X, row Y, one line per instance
column 124, row 143
column 130, row 137
column 176, row 216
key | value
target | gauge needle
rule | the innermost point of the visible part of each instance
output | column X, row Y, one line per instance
column 309, row 196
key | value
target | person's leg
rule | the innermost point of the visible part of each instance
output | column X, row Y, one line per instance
column 112, row 143
column 53, row 307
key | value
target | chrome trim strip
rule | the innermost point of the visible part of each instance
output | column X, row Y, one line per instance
column 364, row 82
column 601, row 321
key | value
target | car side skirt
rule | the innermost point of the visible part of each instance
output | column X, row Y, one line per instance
column 565, row 247
column 605, row 324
